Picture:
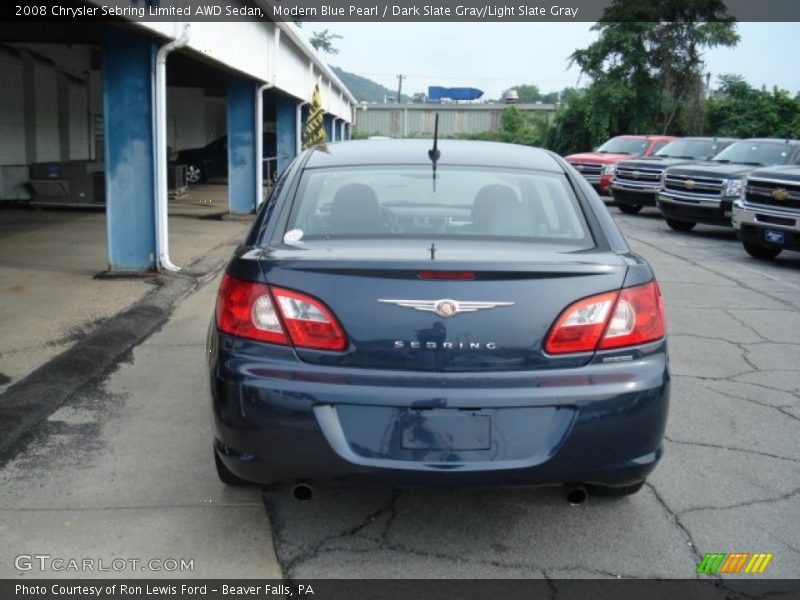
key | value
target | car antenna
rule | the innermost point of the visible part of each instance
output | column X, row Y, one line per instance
column 434, row 153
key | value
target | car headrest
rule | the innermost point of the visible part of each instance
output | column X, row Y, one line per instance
column 355, row 209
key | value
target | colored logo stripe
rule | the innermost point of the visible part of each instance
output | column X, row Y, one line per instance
column 711, row 562
column 733, row 563
column 758, row 563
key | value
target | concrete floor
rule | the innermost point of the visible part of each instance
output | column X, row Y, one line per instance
column 49, row 298
column 124, row 470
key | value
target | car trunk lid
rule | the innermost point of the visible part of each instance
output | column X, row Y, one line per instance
column 394, row 318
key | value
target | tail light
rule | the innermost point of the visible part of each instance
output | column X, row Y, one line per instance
column 275, row 315
column 628, row 317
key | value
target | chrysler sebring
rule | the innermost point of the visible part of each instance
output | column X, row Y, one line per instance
column 467, row 314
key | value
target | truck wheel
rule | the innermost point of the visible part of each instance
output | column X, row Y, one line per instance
column 762, row 252
column 629, row 209
column 681, row 225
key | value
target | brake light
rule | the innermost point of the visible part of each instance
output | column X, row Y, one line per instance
column 445, row 275
column 628, row 317
column 256, row 311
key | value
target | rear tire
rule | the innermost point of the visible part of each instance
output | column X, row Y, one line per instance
column 225, row 476
column 681, row 225
column 617, row 492
column 761, row 252
column 629, row 209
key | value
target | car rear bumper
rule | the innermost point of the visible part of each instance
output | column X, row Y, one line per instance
column 279, row 419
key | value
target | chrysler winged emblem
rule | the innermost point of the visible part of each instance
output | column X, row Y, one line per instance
column 779, row 194
column 445, row 307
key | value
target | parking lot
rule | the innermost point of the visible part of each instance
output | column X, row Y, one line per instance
column 124, row 468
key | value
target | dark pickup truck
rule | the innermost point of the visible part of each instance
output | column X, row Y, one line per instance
column 636, row 181
column 704, row 192
column 767, row 216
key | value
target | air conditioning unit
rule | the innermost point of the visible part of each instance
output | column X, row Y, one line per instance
column 70, row 183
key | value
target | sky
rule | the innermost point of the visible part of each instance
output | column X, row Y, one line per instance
column 495, row 56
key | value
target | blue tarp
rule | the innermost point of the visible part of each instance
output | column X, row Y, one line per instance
column 436, row 93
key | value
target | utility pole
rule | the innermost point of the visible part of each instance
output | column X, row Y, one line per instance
column 400, row 87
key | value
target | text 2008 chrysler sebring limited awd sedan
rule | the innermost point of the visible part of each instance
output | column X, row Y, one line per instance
column 468, row 315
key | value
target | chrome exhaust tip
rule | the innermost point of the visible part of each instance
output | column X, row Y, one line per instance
column 302, row 492
column 577, row 494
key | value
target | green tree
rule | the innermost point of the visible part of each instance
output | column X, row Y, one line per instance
column 737, row 109
column 648, row 55
column 323, row 41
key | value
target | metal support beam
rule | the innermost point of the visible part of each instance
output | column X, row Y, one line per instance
column 286, row 123
column 241, row 146
column 128, row 62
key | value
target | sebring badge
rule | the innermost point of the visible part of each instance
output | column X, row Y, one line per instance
column 445, row 308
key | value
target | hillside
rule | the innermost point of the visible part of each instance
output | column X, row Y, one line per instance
column 365, row 90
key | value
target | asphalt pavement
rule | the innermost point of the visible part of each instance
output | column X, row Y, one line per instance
column 124, row 469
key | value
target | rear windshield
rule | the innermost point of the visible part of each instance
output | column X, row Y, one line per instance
column 623, row 145
column 756, row 153
column 404, row 201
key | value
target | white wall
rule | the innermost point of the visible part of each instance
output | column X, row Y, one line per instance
column 12, row 109
column 78, row 109
column 44, row 103
column 186, row 118
column 46, row 112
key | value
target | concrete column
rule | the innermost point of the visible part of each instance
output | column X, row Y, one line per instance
column 128, row 62
column 241, row 146
column 342, row 129
column 285, row 131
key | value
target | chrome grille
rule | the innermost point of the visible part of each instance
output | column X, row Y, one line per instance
column 694, row 186
column 778, row 194
column 636, row 175
column 588, row 168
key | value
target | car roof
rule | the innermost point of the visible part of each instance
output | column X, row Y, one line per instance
column 708, row 138
column 637, row 136
column 789, row 142
column 415, row 152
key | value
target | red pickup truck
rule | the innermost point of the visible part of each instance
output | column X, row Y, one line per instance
column 597, row 167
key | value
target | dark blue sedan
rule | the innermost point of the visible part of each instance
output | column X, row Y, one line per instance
column 469, row 316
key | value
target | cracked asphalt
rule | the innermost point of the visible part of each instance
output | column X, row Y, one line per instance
column 729, row 480
column 124, row 467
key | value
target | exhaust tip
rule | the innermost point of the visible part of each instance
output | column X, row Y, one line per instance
column 577, row 494
column 302, row 492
